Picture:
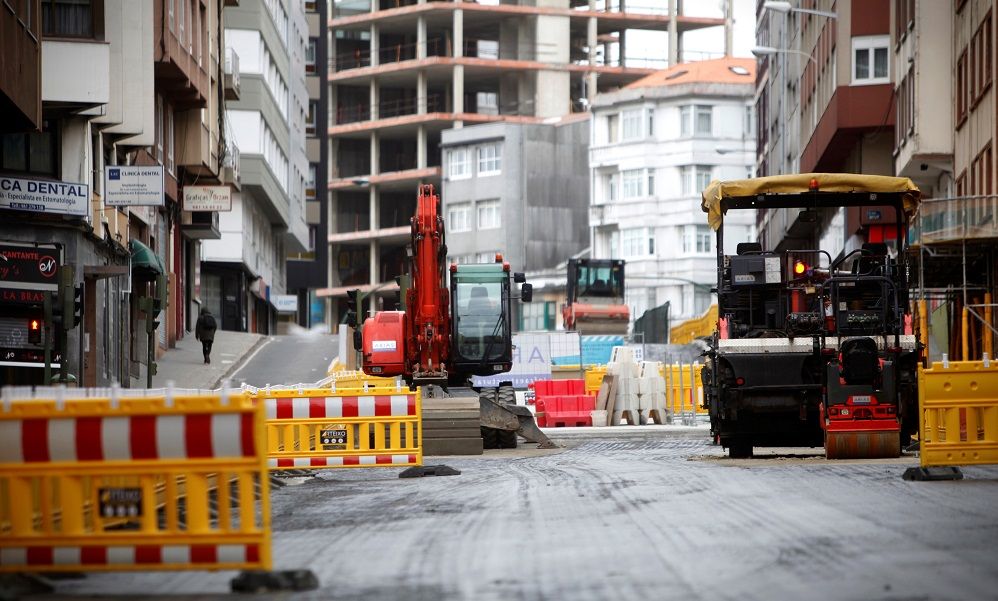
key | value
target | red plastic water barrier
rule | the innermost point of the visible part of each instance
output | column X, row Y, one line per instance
column 547, row 388
column 569, row 410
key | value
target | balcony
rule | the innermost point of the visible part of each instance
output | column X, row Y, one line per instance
column 230, row 166
column 200, row 225
column 354, row 113
column 231, row 75
column 956, row 219
column 76, row 74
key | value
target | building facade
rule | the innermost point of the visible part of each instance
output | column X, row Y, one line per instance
column 243, row 274
column 307, row 270
column 127, row 88
column 656, row 144
column 845, row 93
column 403, row 72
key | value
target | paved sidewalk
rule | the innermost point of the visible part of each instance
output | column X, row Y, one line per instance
column 185, row 367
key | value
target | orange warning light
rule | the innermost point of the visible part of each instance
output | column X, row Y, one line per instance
column 800, row 267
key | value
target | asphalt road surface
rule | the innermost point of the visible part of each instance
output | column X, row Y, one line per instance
column 657, row 516
column 297, row 358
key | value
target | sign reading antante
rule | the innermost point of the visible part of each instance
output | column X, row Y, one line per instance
column 44, row 196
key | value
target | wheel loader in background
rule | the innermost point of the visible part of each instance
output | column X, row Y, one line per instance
column 812, row 349
column 445, row 334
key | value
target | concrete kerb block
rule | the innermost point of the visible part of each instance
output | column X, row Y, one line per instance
column 264, row 582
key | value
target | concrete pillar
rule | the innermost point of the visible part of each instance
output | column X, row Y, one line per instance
column 374, row 270
column 421, row 98
column 457, row 87
column 375, row 99
column 622, row 37
column 729, row 34
column 673, row 33
column 375, row 44
column 421, row 147
column 421, row 35
column 373, row 206
column 591, row 44
column 375, row 153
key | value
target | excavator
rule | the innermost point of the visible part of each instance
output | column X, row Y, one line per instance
column 596, row 297
column 444, row 335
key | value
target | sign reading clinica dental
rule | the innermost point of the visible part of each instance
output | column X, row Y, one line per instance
column 133, row 186
column 43, row 196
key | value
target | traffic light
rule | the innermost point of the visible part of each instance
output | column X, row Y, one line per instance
column 353, row 299
column 77, row 305
column 67, row 297
column 35, row 330
column 152, row 306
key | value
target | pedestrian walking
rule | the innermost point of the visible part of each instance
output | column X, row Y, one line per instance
column 204, row 331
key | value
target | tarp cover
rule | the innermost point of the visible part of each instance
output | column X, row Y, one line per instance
column 800, row 183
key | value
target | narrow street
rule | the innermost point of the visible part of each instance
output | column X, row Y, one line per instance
column 291, row 359
column 660, row 516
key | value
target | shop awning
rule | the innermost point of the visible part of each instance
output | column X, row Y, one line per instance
column 144, row 259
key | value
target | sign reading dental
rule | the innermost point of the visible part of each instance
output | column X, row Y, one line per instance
column 43, row 196
column 207, row 198
column 133, row 186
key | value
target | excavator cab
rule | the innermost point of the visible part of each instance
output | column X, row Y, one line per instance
column 481, row 333
column 596, row 297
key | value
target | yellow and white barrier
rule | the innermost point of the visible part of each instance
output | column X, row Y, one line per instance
column 958, row 406
column 163, row 482
column 343, row 427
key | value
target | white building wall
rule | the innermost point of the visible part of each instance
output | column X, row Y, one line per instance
column 656, row 231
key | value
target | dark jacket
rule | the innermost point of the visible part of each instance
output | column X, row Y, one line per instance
column 206, row 326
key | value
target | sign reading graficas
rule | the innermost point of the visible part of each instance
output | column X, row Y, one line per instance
column 207, row 198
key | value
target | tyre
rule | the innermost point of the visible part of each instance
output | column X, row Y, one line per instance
column 740, row 448
column 490, row 438
column 506, row 438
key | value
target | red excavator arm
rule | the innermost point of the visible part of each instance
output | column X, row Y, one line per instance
column 427, row 300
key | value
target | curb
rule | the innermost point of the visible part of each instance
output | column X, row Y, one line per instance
column 238, row 364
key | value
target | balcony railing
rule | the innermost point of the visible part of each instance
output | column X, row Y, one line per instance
column 950, row 219
column 230, row 165
column 231, row 74
column 396, row 53
column 353, row 113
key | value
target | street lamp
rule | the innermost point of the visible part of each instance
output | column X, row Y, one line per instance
column 760, row 51
column 785, row 8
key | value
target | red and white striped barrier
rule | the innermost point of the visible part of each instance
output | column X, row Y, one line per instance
column 125, row 556
column 141, row 437
column 395, row 405
column 343, row 461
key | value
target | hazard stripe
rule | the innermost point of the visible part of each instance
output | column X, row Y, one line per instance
column 89, row 442
column 382, row 406
column 91, row 555
column 197, row 436
column 34, row 440
column 142, row 437
column 317, row 407
column 11, row 451
column 246, row 433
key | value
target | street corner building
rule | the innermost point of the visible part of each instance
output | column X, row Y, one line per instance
column 110, row 113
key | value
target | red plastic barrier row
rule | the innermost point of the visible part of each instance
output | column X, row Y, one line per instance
column 548, row 388
column 565, row 410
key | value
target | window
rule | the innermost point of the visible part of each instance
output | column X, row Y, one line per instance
column 611, row 129
column 904, row 18
column 168, row 141
column 68, row 18
column 30, row 152
column 651, row 182
column 181, row 19
column 633, row 183
column 486, row 257
column 631, row 128
column 489, row 214
column 610, row 187
column 685, row 115
column 490, row 159
column 311, row 6
column 697, row 239
column 905, row 96
column 651, row 123
column 694, row 180
column 159, row 128
column 870, row 60
column 312, row 231
column 459, row 164
column 459, row 217
column 310, row 119
column 979, row 74
column 310, row 181
column 310, row 56
column 170, row 16
column 749, row 127
column 962, row 95
column 635, row 242
column 704, row 124
column 538, row 316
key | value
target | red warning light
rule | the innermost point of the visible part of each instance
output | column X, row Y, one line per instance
column 799, row 267
column 813, row 186
column 35, row 325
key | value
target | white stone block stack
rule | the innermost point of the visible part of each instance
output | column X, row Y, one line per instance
column 651, row 389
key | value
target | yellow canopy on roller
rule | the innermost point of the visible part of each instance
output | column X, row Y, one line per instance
column 800, row 184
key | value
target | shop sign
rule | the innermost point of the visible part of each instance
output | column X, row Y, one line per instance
column 28, row 268
column 207, row 198
column 43, row 196
column 133, row 186
column 285, row 303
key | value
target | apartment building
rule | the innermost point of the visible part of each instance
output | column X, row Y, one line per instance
column 307, row 271
column 127, row 89
column 403, row 72
column 847, row 107
column 243, row 274
column 656, row 144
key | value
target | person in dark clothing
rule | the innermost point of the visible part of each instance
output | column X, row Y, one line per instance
column 204, row 331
